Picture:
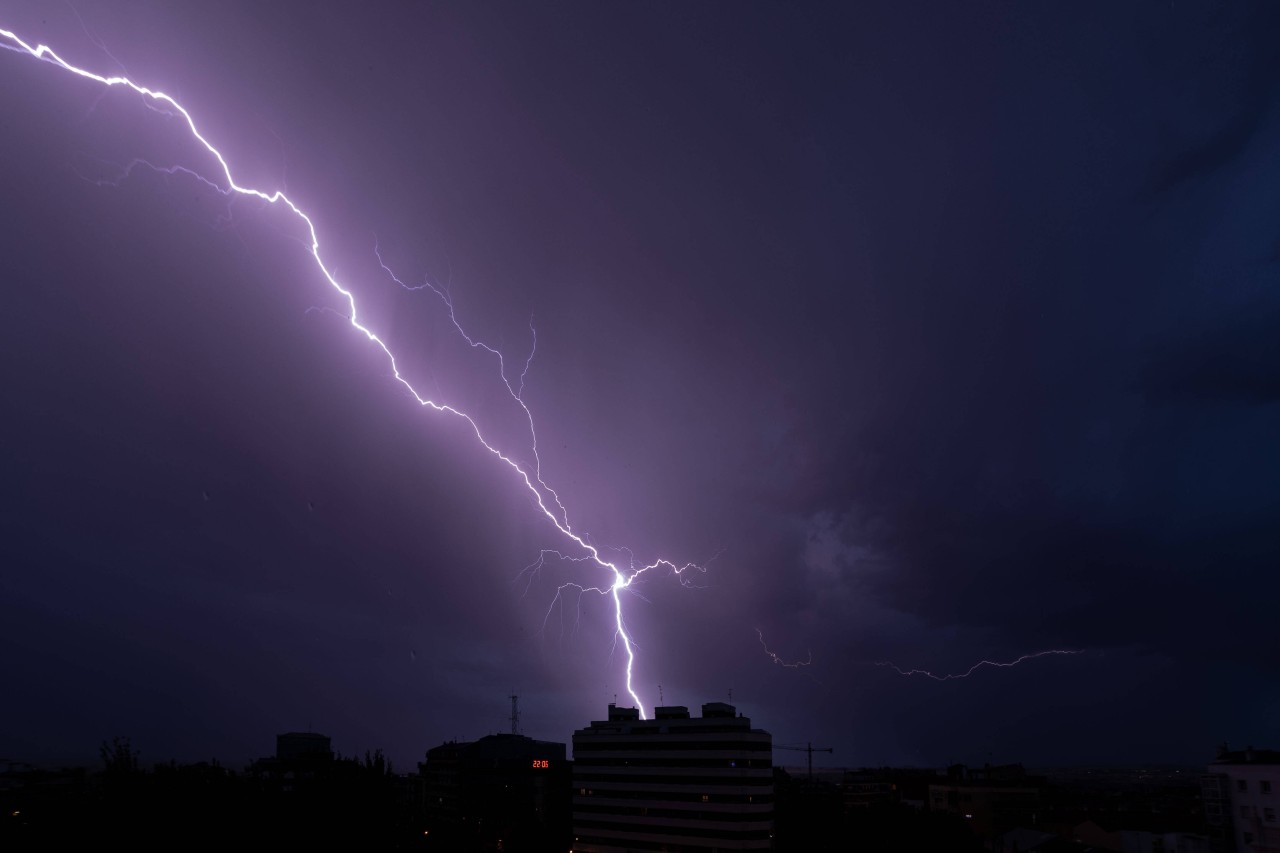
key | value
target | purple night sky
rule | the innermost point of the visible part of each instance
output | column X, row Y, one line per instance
column 934, row 333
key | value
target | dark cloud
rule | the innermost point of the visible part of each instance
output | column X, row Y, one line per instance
column 1248, row 75
column 1231, row 362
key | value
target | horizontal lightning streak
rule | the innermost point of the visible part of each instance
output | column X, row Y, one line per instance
column 621, row 579
column 978, row 665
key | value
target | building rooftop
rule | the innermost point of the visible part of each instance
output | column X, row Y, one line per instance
column 1249, row 755
column 718, row 713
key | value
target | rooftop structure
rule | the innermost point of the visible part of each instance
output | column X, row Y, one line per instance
column 674, row 782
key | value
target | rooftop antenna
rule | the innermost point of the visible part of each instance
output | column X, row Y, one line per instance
column 730, row 695
column 515, row 714
column 809, row 748
column 661, row 701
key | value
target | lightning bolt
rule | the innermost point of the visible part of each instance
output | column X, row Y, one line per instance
column 619, row 579
column 778, row 660
column 958, row 675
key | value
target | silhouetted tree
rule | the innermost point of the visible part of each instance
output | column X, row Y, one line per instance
column 119, row 757
column 377, row 763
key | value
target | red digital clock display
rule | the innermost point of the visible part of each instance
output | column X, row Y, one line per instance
column 541, row 764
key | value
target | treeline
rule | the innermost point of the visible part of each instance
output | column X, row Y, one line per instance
column 355, row 803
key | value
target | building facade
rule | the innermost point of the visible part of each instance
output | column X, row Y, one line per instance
column 1241, row 797
column 503, row 792
column 674, row 783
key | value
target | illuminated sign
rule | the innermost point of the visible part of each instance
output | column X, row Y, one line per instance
column 541, row 764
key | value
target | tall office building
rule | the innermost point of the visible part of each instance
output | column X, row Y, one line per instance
column 673, row 783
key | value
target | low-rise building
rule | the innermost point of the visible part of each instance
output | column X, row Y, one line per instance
column 992, row 800
column 502, row 792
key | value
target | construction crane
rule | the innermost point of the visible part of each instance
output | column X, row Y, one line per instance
column 809, row 748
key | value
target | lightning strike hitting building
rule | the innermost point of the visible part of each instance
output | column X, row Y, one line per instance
column 618, row 576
